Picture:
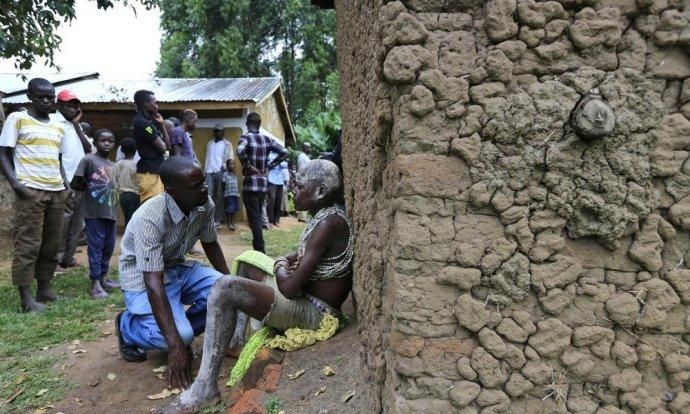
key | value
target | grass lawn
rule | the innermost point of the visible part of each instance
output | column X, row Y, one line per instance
column 24, row 363
column 278, row 241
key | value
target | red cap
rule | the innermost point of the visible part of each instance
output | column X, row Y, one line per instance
column 66, row 96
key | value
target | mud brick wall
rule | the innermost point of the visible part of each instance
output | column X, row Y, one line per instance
column 7, row 200
column 505, row 265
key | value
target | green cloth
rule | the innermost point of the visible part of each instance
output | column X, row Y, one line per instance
column 254, row 258
column 247, row 355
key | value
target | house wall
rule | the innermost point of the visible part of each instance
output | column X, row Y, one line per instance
column 270, row 117
column 201, row 138
column 504, row 264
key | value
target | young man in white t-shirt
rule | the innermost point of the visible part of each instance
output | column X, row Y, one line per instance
column 30, row 160
column 218, row 152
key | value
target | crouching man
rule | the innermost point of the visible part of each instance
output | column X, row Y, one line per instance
column 158, row 282
column 304, row 286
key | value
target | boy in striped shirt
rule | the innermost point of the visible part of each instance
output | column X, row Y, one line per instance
column 30, row 159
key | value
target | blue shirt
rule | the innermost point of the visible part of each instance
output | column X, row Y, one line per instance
column 230, row 185
column 275, row 175
column 179, row 136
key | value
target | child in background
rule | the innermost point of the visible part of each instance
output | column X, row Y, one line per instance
column 94, row 176
column 125, row 175
column 230, row 194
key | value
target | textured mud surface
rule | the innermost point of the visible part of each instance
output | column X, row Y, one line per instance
column 504, row 263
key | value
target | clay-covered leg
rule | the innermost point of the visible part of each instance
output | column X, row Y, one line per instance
column 228, row 296
column 238, row 340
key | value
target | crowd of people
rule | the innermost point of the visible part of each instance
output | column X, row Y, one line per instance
column 64, row 178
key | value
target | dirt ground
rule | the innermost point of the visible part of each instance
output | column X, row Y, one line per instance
column 104, row 383
column 341, row 353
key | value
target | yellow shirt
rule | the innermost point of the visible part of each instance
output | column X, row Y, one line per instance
column 37, row 146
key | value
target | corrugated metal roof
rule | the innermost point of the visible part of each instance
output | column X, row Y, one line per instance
column 13, row 82
column 169, row 90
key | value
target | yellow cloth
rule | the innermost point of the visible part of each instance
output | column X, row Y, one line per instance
column 296, row 338
column 150, row 185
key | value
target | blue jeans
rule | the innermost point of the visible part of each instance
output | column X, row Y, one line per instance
column 187, row 286
column 100, row 239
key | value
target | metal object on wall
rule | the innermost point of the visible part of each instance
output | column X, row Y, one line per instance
column 592, row 117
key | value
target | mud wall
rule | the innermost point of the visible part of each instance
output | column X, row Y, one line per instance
column 505, row 264
column 7, row 200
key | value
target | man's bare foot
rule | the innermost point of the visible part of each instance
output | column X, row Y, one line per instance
column 109, row 285
column 44, row 293
column 97, row 291
column 27, row 301
column 30, row 306
column 190, row 401
column 234, row 351
column 234, row 348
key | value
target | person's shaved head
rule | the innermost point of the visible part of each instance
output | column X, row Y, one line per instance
column 36, row 84
column 323, row 175
column 174, row 168
column 41, row 93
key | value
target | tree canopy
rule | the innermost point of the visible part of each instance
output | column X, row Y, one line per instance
column 28, row 27
column 250, row 38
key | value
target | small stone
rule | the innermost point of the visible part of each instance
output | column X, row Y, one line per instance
column 462, row 278
column 627, row 380
column 623, row 354
column 470, row 313
column 498, row 19
column 551, row 339
column 492, row 343
column 518, row 385
column 597, row 338
column 487, row 367
column 470, row 253
column 623, row 309
column 514, row 357
column 537, row 372
column 421, row 102
column 465, row 369
column 468, row 148
column 463, row 393
column 481, row 93
column 680, row 280
column 497, row 400
column 403, row 62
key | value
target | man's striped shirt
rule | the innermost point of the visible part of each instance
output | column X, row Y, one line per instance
column 37, row 146
column 158, row 236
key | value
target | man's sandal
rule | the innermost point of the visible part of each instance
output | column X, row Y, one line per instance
column 130, row 353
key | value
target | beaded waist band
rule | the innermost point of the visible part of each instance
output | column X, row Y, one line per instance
column 323, row 306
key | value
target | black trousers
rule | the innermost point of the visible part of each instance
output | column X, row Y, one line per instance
column 275, row 199
column 252, row 204
column 129, row 203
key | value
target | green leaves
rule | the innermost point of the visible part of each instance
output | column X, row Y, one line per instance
column 249, row 38
column 321, row 133
column 28, row 28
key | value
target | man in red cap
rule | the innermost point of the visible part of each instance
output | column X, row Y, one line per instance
column 75, row 145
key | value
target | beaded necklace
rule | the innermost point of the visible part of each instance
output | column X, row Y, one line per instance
column 329, row 267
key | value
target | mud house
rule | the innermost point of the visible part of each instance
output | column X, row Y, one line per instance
column 506, row 260
column 109, row 104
